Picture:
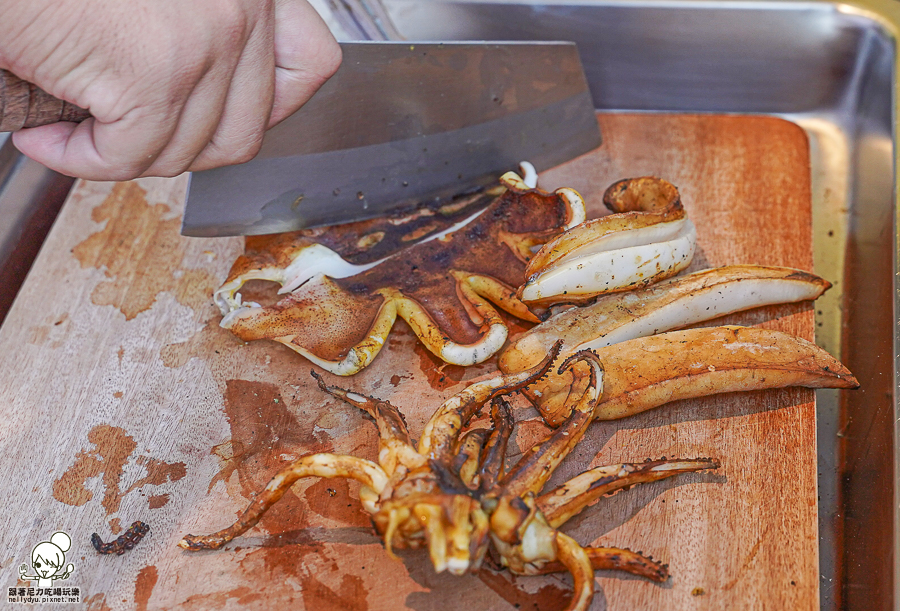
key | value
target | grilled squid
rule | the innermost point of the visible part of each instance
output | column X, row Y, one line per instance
column 671, row 304
column 447, row 286
column 453, row 495
column 647, row 239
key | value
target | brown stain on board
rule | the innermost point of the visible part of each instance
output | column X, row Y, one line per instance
column 143, row 586
column 158, row 500
column 158, row 472
column 262, row 430
column 137, row 231
column 548, row 598
column 112, row 449
column 96, row 602
column 440, row 375
column 265, row 437
column 244, row 595
column 115, row 525
column 349, row 596
column 330, row 498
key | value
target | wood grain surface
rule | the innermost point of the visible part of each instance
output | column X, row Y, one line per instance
column 124, row 400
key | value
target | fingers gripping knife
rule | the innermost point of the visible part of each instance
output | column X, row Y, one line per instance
column 399, row 125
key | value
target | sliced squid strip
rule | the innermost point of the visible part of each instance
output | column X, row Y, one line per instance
column 671, row 304
column 607, row 233
column 647, row 372
column 529, row 174
column 581, row 278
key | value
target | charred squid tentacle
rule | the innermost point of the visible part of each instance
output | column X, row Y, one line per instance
column 443, row 428
column 494, row 452
column 395, row 446
column 577, row 561
column 617, row 559
column 467, row 462
column 538, row 464
column 317, row 465
column 493, row 329
column 501, row 295
column 559, row 505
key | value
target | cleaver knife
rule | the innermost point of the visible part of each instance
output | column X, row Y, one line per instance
column 402, row 125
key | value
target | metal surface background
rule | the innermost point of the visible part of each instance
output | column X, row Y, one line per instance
column 832, row 69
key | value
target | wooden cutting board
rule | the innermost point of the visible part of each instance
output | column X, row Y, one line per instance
column 123, row 400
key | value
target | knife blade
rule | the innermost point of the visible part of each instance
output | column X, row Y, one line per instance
column 401, row 125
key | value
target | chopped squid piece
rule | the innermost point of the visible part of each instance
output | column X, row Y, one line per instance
column 673, row 303
column 648, row 239
column 647, row 372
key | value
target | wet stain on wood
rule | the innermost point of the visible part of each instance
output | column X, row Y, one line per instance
column 158, row 500
column 136, row 230
column 244, row 595
column 350, row 595
column 262, row 430
column 548, row 598
column 96, row 602
column 331, row 499
column 112, row 450
column 143, row 586
column 158, row 472
column 440, row 375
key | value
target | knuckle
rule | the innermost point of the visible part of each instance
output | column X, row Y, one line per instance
column 233, row 23
column 247, row 151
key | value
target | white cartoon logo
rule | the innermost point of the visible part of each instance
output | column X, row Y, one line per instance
column 47, row 560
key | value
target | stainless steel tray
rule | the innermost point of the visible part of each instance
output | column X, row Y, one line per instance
column 832, row 69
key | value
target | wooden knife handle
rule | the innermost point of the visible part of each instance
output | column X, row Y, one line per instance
column 25, row 105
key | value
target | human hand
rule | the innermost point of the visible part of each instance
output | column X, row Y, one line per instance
column 172, row 85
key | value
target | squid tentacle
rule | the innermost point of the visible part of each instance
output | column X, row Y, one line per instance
column 564, row 502
column 442, row 430
column 538, row 464
column 316, row 465
column 394, row 446
column 467, row 462
column 500, row 294
column 494, row 451
column 578, row 563
column 616, row 559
